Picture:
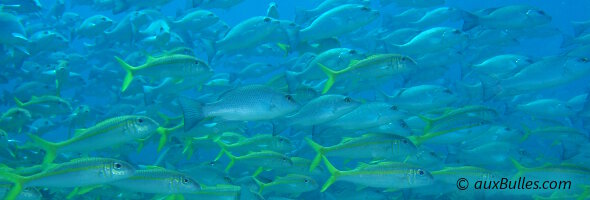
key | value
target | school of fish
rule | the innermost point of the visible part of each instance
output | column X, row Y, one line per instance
column 346, row 99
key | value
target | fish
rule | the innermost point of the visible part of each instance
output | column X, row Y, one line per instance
column 550, row 108
column 383, row 175
column 438, row 16
column 572, row 173
column 266, row 159
column 13, row 34
column 157, row 33
column 29, row 89
column 74, row 173
column 41, row 126
column 562, row 70
column 321, row 110
column 248, row 103
column 177, row 66
column 195, row 21
column 113, row 131
column 303, row 16
column 259, row 142
column 46, row 105
column 291, row 184
column 158, row 181
column 337, row 21
column 374, row 67
column 520, row 16
column 433, row 40
column 422, row 98
column 454, row 120
column 234, row 99
column 502, row 66
column 14, row 119
column 336, row 58
column 92, row 26
column 368, row 115
column 374, row 146
column 47, row 40
column 272, row 10
column 255, row 29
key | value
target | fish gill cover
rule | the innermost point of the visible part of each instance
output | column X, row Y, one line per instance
column 319, row 99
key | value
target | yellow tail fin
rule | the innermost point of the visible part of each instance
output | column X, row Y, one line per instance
column 331, row 77
column 129, row 76
column 49, row 147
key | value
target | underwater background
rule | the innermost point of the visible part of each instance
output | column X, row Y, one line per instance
column 315, row 99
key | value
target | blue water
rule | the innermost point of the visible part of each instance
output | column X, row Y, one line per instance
column 490, row 121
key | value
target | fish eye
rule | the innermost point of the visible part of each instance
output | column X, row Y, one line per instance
column 117, row 165
column 289, row 97
column 185, row 180
column 456, row 31
column 365, row 8
column 447, row 91
column 46, row 122
column 404, row 58
column 305, row 180
column 403, row 124
column 432, row 153
column 46, row 32
column 507, row 129
column 266, row 19
column 405, row 141
column 140, row 120
column 421, row 172
column 210, row 15
column 347, row 100
column 103, row 18
column 583, row 60
column 352, row 51
column 541, row 12
column 393, row 108
column 212, row 163
column 161, row 28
